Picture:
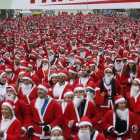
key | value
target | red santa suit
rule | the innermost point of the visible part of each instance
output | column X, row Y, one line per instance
column 51, row 116
column 71, row 113
column 11, row 129
column 59, row 90
column 27, row 98
column 106, row 101
column 110, row 121
column 96, row 136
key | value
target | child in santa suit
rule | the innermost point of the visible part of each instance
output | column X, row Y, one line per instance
column 68, row 97
column 120, row 122
column 56, row 133
column 10, row 126
column 86, row 131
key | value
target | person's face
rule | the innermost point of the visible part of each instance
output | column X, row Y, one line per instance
column 61, row 78
column 62, row 51
column 56, row 133
column 131, row 64
column 8, row 72
column 69, row 98
column 20, row 77
column 30, row 69
column 52, row 69
column 79, row 93
column 92, row 67
column 26, row 82
column 122, row 105
column 95, row 53
column 116, row 45
column 84, row 72
column 3, row 78
column 54, row 79
column 135, row 83
column 85, row 127
column 108, row 59
column 118, row 61
column 41, row 93
column 45, row 62
column 17, row 61
column 77, row 63
column 108, row 72
column 82, row 50
column 124, row 61
column 10, row 91
column 6, row 112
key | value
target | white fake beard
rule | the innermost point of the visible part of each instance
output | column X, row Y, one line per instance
column 108, row 79
column 39, row 103
column 9, row 97
column 71, row 60
column 82, row 54
column 45, row 67
column 41, row 51
column 51, row 57
column 9, row 75
column 122, row 114
column 134, row 91
column 77, row 100
column 84, row 135
column 89, row 96
column 26, row 89
column 58, row 138
column 118, row 66
column 39, row 62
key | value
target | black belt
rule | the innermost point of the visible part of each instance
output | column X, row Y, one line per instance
column 109, row 98
column 118, row 136
column 41, row 124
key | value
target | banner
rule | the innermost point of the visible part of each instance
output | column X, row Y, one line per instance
column 69, row 4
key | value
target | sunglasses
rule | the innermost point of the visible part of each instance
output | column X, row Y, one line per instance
column 89, row 90
column 118, row 60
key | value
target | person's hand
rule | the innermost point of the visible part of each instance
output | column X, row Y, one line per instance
column 135, row 128
column 1, row 134
column 102, row 93
column 31, row 130
column 46, row 128
column 71, row 123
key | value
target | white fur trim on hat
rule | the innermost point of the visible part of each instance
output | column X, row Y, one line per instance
column 8, row 69
column 68, row 93
column 62, row 74
column 131, row 61
column 78, row 60
column 54, row 74
column 90, row 88
column 43, row 87
column 79, row 88
column 7, row 104
column 12, row 88
column 27, row 78
column 22, row 67
column 22, row 72
column 45, row 59
column 72, row 71
column 83, row 123
column 56, row 128
column 137, row 80
column 108, row 69
column 60, row 64
column 2, row 74
column 119, row 100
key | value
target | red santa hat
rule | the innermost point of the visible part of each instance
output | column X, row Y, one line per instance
column 68, row 92
column 8, row 103
column 91, row 85
column 44, row 86
column 118, row 57
column 27, row 76
column 22, row 72
column 55, row 73
column 118, row 99
column 138, row 80
column 14, row 87
column 62, row 72
column 62, row 63
column 79, row 87
column 84, row 121
column 2, row 73
column 131, row 60
column 73, row 70
column 8, row 68
column 45, row 58
column 56, row 128
column 108, row 68
column 24, row 65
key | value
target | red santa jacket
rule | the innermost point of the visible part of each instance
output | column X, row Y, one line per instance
column 14, row 130
column 71, row 113
column 30, row 96
column 96, row 136
column 109, row 121
column 51, row 116
column 100, row 99
column 55, row 89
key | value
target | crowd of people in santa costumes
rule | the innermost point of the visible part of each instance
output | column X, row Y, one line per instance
column 70, row 77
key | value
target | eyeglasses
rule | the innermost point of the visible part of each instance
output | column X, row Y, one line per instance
column 118, row 60
column 89, row 90
column 108, row 72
